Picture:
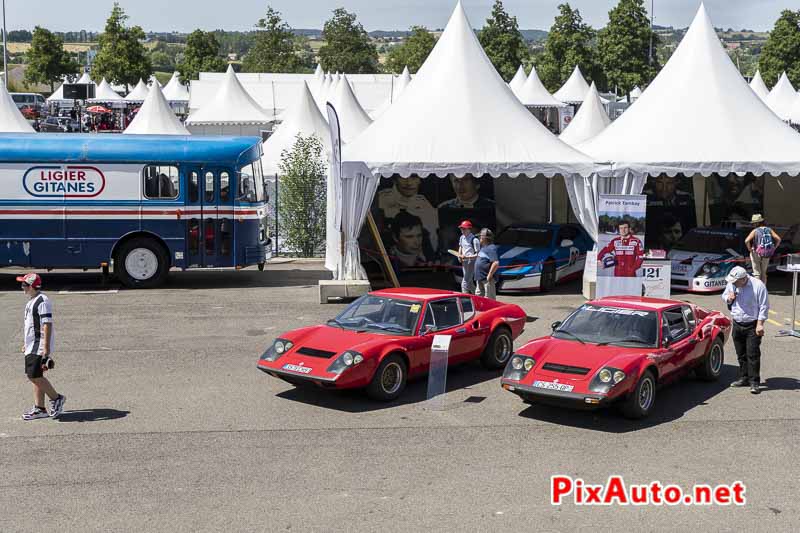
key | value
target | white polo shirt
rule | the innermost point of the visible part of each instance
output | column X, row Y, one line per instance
column 38, row 311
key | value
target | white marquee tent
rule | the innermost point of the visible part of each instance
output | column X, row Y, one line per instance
column 175, row 91
column 758, row 85
column 518, row 80
column 588, row 122
column 58, row 95
column 402, row 83
column 781, row 97
column 574, row 89
column 156, row 117
column 104, row 93
column 534, row 94
column 139, row 93
column 352, row 117
column 11, row 119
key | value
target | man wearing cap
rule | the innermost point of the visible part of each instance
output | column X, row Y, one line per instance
column 468, row 247
column 486, row 266
column 38, row 336
column 748, row 302
column 762, row 243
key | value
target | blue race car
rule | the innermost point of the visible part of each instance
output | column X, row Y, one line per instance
column 537, row 256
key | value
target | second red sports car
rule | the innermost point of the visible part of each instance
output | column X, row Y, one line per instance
column 385, row 337
column 617, row 350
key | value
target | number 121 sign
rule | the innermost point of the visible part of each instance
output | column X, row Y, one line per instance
column 656, row 277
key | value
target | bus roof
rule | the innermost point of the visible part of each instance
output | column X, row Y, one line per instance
column 118, row 148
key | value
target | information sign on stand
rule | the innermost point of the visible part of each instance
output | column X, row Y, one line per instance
column 437, row 374
column 656, row 278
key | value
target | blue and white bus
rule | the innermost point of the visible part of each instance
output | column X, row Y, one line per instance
column 140, row 203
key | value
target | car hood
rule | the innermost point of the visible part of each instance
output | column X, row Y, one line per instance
column 552, row 351
column 338, row 340
column 686, row 263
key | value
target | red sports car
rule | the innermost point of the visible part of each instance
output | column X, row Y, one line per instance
column 618, row 349
column 384, row 338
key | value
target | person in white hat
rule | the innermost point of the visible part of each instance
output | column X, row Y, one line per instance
column 748, row 302
column 762, row 243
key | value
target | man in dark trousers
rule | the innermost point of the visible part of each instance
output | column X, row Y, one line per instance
column 38, row 337
column 748, row 302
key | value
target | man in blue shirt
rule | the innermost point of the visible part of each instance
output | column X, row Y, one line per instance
column 748, row 302
column 468, row 247
column 486, row 266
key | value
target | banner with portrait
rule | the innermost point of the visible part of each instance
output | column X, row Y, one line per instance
column 621, row 241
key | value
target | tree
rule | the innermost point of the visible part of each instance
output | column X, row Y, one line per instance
column 412, row 53
column 568, row 43
column 302, row 200
column 274, row 47
column 503, row 42
column 200, row 55
column 347, row 46
column 121, row 58
column 623, row 46
column 781, row 52
column 47, row 60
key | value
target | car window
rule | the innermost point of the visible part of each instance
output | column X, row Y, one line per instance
column 446, row 313
column 688, row 314
column 467, row 309
column 674, row 323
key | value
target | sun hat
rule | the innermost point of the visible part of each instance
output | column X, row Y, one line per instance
column 757, row 218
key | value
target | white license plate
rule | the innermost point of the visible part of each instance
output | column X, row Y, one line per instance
column 296, row 368
column 549, row 385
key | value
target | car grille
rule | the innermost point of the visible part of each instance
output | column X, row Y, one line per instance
column 313, row 352
column 566, row 369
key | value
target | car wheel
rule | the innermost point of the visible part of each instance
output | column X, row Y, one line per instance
column 498, row 350
column 548, row 280
column 641, row 398
column 141, row 263
column 711, row 367
column 389, row 379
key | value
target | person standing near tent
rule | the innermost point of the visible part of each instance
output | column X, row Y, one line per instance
column 486, row 266
column 762, row 243
column 468, row 247
column 748, row 302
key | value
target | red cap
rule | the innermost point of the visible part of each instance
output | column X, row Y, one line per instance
column 32, row 279
column 465, row 225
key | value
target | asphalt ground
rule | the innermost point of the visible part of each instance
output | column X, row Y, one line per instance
column 169, row 426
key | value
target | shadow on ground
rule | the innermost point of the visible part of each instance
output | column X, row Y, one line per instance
column 672, row 402
column 92, row 415
column 773, row 384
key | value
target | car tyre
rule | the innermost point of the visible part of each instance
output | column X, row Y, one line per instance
column 641, row 399
column 711, row 367
column 548, row 279
column 389, row 379
column 498, row 350
column 141, row 263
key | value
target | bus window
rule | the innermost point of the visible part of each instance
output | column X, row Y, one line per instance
column 209, row 196
column 161, row 182
column 224, row 187
column 194, row 188
column 251, row 183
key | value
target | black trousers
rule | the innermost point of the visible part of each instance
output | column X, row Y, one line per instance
column 748, row 350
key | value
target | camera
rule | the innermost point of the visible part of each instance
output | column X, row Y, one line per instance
column 48, row 363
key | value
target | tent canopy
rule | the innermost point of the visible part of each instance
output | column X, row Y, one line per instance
column 698, row 116
column 104, row 93
column 175, row 91
column 781, row 97
column 758, row 85
column 231, row 105
column 11, row 119
column 156, row 117
column 352, row 117
column 590, row 120
column 139, row 93
column 518, row 80
column 460, row 117
column 574, row 89
column 534, row 94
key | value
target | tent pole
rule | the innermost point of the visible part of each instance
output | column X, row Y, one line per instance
column 277, row 249
column 387, row 264
column 549, row 200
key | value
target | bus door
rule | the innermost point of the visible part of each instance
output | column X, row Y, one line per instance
column 210, row 218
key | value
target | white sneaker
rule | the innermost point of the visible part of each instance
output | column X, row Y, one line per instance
column 57, row 406
column 34, row 413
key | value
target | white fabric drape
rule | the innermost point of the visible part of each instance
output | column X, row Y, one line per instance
column 357, row 188
column 584, row 195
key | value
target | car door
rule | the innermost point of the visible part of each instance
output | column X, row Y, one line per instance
column 445, row 317
column 682, row 342
column 701, row 343
column 473, row 334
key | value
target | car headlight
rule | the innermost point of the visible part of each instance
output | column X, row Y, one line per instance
column 518, row 367
column 277, row 349
column 710, row 269
column 605, row 375
column 606, row 379
column 516, row 362
column 347, row 360
column 619, row 375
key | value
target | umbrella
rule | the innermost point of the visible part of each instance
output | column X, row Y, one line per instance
column 98, row 109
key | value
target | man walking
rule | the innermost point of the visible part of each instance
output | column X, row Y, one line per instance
column 38, row 344
column 486, row 266
column 468, row 248
column 748, row 302
column 762, row 243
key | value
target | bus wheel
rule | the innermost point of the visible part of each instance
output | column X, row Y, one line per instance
column 141, row 263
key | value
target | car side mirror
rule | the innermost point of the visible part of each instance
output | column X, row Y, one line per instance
column 554, row 326
column 428, row 329
column 566, row 243
column 665, row 340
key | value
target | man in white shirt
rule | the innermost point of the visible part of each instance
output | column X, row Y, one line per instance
column 37, row 346
column 748, row 302
column 468, row 247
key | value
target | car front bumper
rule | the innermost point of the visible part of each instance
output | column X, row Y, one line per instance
column 698, row 284
column 573, row 400
column 299, row 379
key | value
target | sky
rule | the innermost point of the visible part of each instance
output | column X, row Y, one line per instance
column 187, row 15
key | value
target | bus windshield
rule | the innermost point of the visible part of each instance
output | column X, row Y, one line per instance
column 251, row 183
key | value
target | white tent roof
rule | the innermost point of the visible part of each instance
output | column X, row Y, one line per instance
column 352, row 117
column 574, row 89
column 460, row 117
column 302, row 118
column 231, row 105
column 590, row 120
column 758, row 85
column 698, row 116
column 104, row 93
column 794, row 112
column 318, row 72
column 402, row 82
column 156, row 117
column 11, row 119
column 57, row 95
column 781, row 97
column 153, row 81
column 139, row 93
column 85, row 79
column 534, row 94
column 518, row 80
column 635, row 93
column 175, row 91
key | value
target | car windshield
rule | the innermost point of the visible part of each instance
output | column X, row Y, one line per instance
column 610, row 325
column 709, row 240
column 380, row 315
column 251, row 183
column 527, row 237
